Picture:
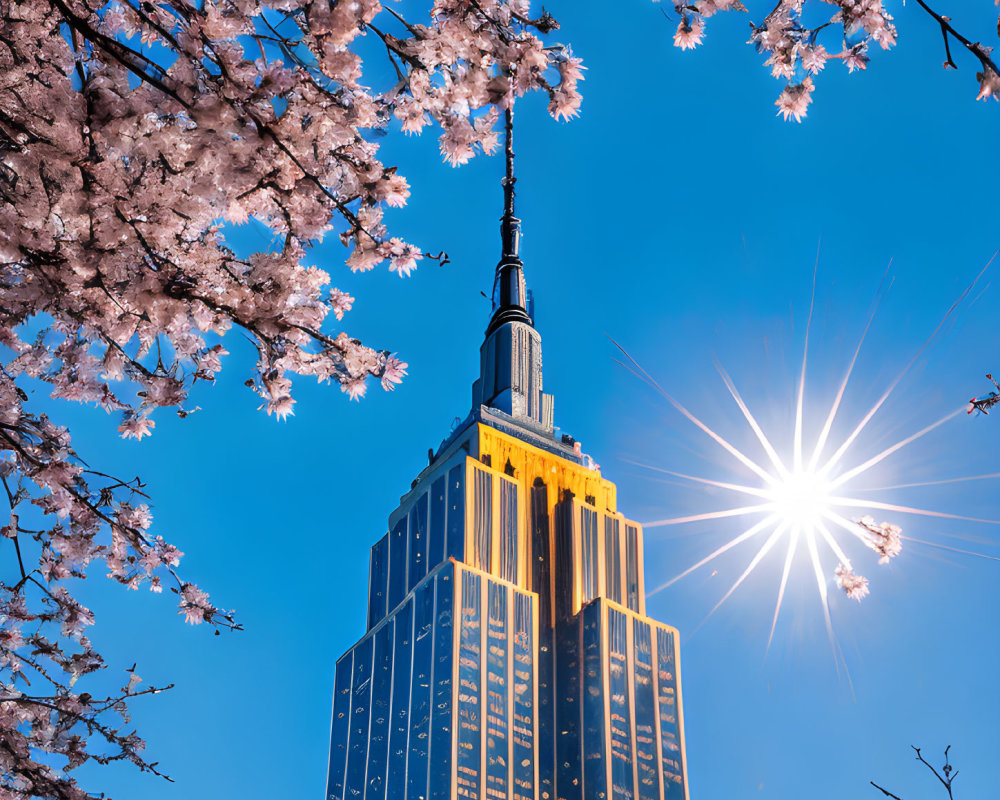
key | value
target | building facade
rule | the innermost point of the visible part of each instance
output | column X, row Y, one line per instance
column 508, row 654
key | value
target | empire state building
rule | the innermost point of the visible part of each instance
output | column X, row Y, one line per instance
column 508, row 653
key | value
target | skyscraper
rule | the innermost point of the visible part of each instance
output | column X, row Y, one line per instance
column 508, row 654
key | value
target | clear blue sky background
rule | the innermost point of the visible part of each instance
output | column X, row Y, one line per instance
column 681, row 217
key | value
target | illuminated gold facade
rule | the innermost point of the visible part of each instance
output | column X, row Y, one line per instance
column 508, row 654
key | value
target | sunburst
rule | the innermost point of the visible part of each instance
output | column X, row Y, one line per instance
column 808, row 498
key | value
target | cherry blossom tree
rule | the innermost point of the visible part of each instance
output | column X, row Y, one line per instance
column 134, row 137
column 799, row 38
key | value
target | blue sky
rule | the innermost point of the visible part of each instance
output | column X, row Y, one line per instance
column 679, row 216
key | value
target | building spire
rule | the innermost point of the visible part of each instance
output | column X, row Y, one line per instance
column 509, row 296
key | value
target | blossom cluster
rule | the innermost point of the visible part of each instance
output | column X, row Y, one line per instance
column 885, row 539
column 134, row 137
column 796, row 52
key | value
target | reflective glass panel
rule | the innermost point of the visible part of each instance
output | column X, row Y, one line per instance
column 569, row 749
column 361, row 695
column 397, row 564
column 589, row 545
column 497, row 693
column 632, row 566
column 399, row 727
column 619, row 706
column 378, row 579
column 418, row 541
column 441, row 707
column 648, row 787
column 455, row 546
column 613, row 559
column 468, row 767
column 523, row 685
column 595, row 783
column 508, row 531
column 435, row 535
column 340, row 726
column 420, row 697
column 378, row 747
column 666, row 678
column 482, row 521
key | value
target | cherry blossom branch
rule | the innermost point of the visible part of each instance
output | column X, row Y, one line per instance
column 973, row 47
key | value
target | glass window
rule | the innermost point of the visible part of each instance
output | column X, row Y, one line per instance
column 619, row 707
column 539, row 574
column 455, row 546
column 666, row 679
column 470, row 690
column 566, row 563
column 482, row 521
column 632, row 567
column 435, row 535
column 613, row 559
column 378, row 747
column 595, row 783
column 523, row 724
column 569, row 749
column 420, row 695
column 497, row 713
column 418, row 541
column 440, row 758
column 397, row 564
column 361, row 695
column 341, row 726
column 378, row 579
column 399, row 728
column 508, row 531
column 648, row 786
column 589, row 544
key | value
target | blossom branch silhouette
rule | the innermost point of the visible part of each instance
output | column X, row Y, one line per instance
column 135, row 138
column 950, row 773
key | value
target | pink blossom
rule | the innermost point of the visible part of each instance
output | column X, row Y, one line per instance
column 393, row 373
column 689, row 33
column 794, row 99
column 135, row 426
column 813, row 58
column 854, row 586
column 340, row 302
column 194, row 605
column 355, row 387
column 989, row 84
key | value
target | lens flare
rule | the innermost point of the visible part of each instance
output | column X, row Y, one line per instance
column 804, row 497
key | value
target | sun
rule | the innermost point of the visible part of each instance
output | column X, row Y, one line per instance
column 811, row 496
column 801, row 499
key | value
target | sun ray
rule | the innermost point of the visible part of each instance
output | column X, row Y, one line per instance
column 736, row 487
column 729, row 512
column 764, row 548
column 871, row 462
column 953, row 549
column 851, row 527
column 801, row 499
column 752, row 422
column 824, row 599
column 885, row 396
column 928, row 483
column 747, row 462
column 851, row 501
column 828, row 425
column 747, row 534
column 792, row 544
column 797, row 445
column 828, row 538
